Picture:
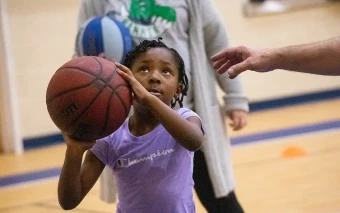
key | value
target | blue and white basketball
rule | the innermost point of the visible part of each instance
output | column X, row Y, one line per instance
column 106, row 35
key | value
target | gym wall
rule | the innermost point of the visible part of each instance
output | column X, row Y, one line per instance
column 43, row 36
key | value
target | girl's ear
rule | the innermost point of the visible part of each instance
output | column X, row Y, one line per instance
column 179, row 90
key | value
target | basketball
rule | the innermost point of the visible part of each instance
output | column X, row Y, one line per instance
column 106, row 35
column 87, row 99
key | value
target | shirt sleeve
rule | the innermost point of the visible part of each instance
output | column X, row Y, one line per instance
column 187, row 113
column 104, row 150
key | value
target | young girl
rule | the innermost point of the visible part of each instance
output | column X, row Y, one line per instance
column 151, row 154
column 196, row 30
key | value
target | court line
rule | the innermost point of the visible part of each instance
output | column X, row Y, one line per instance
column 287, row 132
column 252, row 138
column 314, row 97
column 294, row 100
column 45, row 206
column 51, row 206
column 277, row 159
column 29, row 176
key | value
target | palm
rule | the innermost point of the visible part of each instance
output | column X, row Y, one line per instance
column 77, row 143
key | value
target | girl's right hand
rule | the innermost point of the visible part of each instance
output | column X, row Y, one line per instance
column 77, row 144
column 140, row 94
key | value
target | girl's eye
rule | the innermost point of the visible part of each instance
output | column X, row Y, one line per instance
column 166, row 71
column 144, row 69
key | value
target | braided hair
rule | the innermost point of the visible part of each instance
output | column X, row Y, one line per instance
column 146, row 45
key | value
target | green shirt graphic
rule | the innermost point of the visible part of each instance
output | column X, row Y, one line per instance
column 146, row 19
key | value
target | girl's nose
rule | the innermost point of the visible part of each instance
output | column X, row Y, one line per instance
column 154, row 78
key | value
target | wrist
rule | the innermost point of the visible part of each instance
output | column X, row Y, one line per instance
column 149, row 100
column 75, row 150
column 277, row 58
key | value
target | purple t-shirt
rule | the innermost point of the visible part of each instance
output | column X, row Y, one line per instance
column 153, row 172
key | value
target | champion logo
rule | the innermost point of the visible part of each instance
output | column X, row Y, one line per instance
column 125, row 162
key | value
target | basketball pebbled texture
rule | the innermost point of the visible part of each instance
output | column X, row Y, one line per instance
column 87, row 99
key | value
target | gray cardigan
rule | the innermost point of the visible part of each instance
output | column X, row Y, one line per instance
column 207, row 37
column 204, row 43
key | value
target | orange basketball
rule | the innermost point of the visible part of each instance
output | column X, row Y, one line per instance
column 87, row 99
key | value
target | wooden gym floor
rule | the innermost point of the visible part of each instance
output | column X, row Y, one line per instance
column 267, row 180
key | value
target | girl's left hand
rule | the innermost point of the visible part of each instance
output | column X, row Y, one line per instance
column 140, row 94
column 239, row 119
column 77, row 144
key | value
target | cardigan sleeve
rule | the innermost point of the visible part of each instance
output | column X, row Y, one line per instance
column 216, row 39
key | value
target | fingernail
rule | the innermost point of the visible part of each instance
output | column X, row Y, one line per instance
column 116, row 63
column 230, row 71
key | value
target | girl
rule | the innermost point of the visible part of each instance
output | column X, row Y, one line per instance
column 151, row 154
column 195, row 29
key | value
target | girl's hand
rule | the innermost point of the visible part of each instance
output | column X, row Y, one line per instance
column 76, row 144
column 140, row 94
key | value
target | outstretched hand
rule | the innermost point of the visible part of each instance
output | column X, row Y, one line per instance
column 236, row 60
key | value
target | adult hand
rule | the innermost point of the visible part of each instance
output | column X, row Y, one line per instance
column 236, row 60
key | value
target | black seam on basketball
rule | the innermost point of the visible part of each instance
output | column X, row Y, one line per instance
column 114, row 73
column 119, row 86
column 107, row 112
column 110, row 77
column 121, row 100
column 78, row 69
column 87, row 107
column 100, row 66
column 74, row 67
column 97, row 78
column 111, row 95
column 69, row 91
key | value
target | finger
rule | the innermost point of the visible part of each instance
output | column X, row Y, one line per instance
column 232, row 124
column 237, row 69
column 244, row 122
column 236, row 125
column 237, row 128
column 102, row 55
column 227, row 53
column 111, row 59
column 220, row 63
column 123, row 68
column 225, row 67
column 124, row 75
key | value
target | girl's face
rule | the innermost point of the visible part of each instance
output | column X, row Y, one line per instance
column 158, row 72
